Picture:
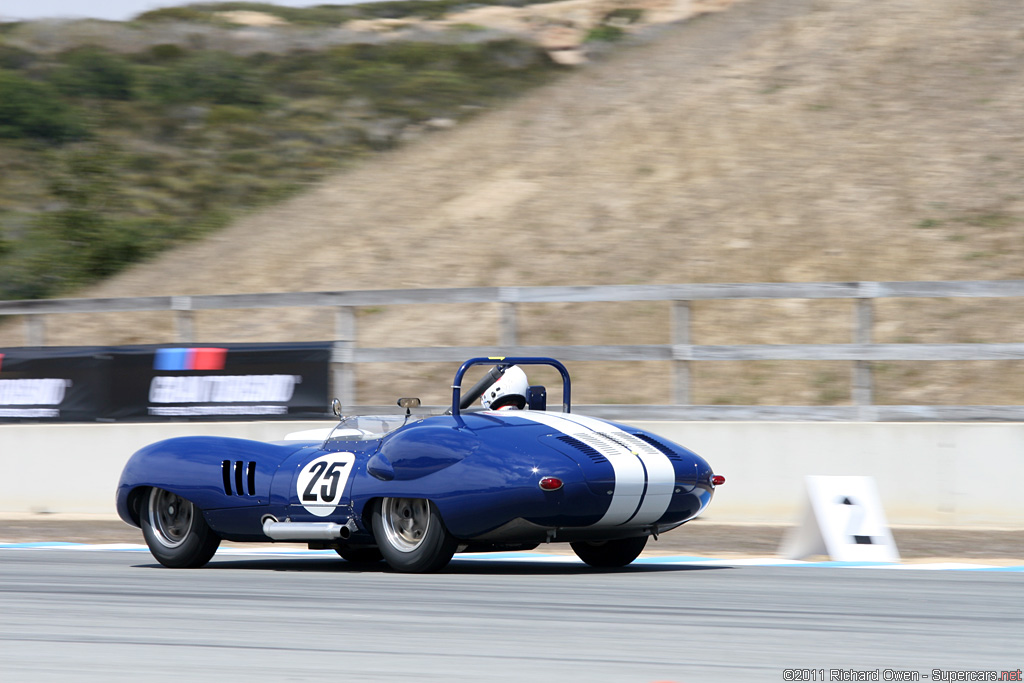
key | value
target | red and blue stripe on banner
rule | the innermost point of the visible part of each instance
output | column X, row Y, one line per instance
column 197, row 358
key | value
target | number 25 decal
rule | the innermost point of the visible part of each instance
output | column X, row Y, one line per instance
column 321, row 482
column 332, row 473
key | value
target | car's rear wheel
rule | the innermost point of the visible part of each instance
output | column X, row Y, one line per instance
column 175, row 530
column 604, row 554
column 411, row 535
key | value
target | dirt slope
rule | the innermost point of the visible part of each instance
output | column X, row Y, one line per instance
column 782, row 140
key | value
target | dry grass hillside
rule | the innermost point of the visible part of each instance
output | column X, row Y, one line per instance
column 782, row 140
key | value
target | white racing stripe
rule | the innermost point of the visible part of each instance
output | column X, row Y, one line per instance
column 661, row 476
column 644, row 476
column 630, row 477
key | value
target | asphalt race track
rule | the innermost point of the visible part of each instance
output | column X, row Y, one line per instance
column 110, row 615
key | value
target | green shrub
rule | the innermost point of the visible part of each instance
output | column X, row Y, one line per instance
column 605, row 33
column 374, row 78
column 396, row 9
column 416, row 55
column 208, row 77
column 33, row 110
column 92, row 72
column 15, row 58
column 437, row 88
column 228, row 114
column 163, row 53
column 185, row 14
column 300, row 74
column 89, row 234
column 625, row 15
column 507, row 54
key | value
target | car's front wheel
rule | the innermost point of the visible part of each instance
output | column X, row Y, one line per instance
column 604, row 554
column 175, row 530
column 411, row 535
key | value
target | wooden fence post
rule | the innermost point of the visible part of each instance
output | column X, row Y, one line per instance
column 184, row 319
column 344, row 375
column 681, row 368
column 508, row 334
column 35, row 330
column 863, row 325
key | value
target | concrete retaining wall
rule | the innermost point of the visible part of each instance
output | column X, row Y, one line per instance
column 944, row 474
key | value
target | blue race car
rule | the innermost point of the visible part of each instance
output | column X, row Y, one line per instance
column 413, row 490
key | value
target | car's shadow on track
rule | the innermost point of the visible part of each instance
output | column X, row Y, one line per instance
column 526, row 567
column 457, row 566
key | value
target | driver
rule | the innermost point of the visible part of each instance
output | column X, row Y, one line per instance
column 508, row 393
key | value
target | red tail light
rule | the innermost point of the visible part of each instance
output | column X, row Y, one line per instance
column 717, row 480
column 550, row 483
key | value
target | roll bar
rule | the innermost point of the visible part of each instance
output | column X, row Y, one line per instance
column 501, row 364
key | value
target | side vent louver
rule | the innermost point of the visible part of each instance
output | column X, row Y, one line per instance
column 239, row 477
column 672, row 455
column 589, row 451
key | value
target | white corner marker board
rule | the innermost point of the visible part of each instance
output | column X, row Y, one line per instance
column 843, row 518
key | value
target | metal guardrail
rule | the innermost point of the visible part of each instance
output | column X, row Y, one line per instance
column 681, row 353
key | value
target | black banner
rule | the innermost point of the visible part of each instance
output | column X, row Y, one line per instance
column 53, row 384
column 153, row 383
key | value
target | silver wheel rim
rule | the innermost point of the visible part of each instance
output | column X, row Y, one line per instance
column 406, row 521
column 171, row 517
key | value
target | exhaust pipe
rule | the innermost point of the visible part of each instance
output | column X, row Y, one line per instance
column 307, row 531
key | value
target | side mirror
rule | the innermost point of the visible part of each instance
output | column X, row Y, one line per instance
column 408, row 404
column 336, row 407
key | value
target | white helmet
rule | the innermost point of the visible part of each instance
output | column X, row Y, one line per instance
column 508, row 391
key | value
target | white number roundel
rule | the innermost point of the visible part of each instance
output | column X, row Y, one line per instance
column 321, row 482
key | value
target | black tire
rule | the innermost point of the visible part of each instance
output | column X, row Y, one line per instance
column 605, row 554
column 365, row 556
column 411, row 535
column 175, row 530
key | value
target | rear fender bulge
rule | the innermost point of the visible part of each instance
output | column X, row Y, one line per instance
column 596, row 468
column 490, row 489
column 475, row 514
column 424, row 450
